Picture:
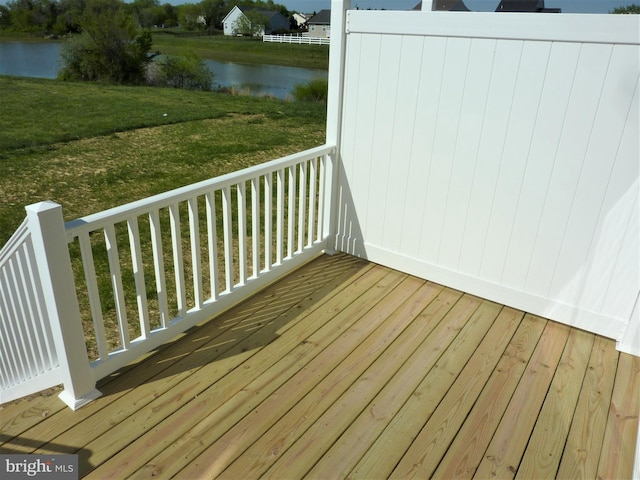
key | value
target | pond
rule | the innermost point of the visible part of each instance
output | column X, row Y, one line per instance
column 42, row 60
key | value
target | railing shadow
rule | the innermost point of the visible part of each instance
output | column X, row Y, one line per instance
column 232, row 337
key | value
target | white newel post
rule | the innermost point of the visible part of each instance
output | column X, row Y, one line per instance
column 46, row 226
column 337, row 54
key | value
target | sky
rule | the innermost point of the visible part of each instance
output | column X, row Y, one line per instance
column 568, row 6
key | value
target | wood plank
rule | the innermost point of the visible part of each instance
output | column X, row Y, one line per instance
column 338, row 461
column 622, row 424
column 543, row 453
column 582, row 450
column 431, row 444
column 503, row 456
column 460, row 328
column 225, row 402
column 319, row 377
column 296, row 431
column 467, row 450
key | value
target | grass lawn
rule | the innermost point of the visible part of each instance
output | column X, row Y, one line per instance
column 90, row 147
column 244, row 50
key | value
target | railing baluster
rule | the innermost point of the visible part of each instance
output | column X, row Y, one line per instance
column 116, row 282
column 14, row 326
column 255, row 224
column 280, row 217
column 32, row 308
column 242, row 232
column 313, row 172
column 291, row 214
column 302, row 198
column 38, row 303
column 22, row 305
column 94, row 295
column 268, row 222
column 158, row 264
column 212, row 238
column 228, row 239
column 196, row 265
column 138, row 275
column 321, row 196
column 178, row 264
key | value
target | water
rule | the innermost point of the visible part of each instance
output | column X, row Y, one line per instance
column 42, row 60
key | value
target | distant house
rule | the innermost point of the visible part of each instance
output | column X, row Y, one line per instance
column 275, row 20
column 320, row 24
column 301, row 19
column 525, row 6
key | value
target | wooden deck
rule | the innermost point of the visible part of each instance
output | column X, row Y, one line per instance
column 349, row 369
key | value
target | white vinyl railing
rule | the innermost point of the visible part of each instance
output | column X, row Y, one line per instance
column 175, row 259
column 302, row 40
column 146, row 271
column 26, row 343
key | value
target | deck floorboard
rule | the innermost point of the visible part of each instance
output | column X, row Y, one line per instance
column 346, row 369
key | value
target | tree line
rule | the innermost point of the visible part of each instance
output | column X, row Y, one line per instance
column 60, row 17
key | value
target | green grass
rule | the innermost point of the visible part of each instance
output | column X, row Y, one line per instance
column 91, row 147
column 244, row 50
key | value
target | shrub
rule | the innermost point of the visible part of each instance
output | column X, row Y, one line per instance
column 189, row 72
column 110, row 48
column 314, row 91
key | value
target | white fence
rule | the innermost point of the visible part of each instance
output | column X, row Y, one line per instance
column 498, row 154
column 151, row 269
column 301, row 40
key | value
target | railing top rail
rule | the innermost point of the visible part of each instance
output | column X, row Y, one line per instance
column 139, row 207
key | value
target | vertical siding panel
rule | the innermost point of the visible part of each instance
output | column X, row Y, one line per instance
column 532, row 68
column 546, row 136
column 443, row 148
column 385, row 72
column 591, row 70
column 617, row 252
column 404, row 111
column 500, row 99
column 470, row 128
column 613, row 105
column 431, row 66
column 355, row 194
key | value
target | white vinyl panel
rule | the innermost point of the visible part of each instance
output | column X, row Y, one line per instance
column 613, row 107
column 357, row 187
column 386, row 126
column 504, row 73
column 443, row 148
column 590, row 73
column 550, row 119
column 470, row 128
column 514, row 157
column 410, row 57
column 430, row 78
column 617, row 254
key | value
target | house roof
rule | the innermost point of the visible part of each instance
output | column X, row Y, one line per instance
column 520, row 6
column 323, row 17
column 450, row 5
column 267, row 13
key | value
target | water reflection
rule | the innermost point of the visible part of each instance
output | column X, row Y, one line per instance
column 42, row 60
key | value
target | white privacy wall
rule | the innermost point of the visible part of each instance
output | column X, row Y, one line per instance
column 498, row 154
